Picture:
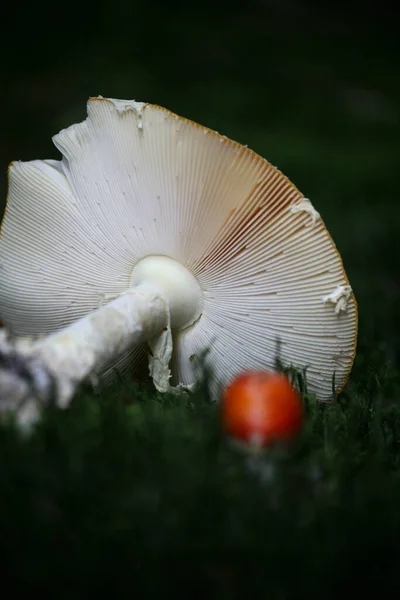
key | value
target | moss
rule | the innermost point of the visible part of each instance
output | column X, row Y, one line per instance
column 132, row 492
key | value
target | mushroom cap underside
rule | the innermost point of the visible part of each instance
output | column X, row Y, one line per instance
column 136, row 180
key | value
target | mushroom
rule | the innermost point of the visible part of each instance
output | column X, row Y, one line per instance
column 156, row 232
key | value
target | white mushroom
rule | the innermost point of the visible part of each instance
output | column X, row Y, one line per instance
column 175, row 236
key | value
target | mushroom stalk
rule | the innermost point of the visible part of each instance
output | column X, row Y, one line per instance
column 31, row 372
column 162, row 295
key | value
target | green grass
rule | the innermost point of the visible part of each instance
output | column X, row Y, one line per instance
column 132, row 493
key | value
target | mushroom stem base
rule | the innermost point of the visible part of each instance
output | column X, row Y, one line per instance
column 33, row 372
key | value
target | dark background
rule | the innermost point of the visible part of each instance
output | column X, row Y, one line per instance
column 312, row 86
column 86, row 503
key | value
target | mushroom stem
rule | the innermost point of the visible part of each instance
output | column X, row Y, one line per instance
column 32, row 372
column 163, row 294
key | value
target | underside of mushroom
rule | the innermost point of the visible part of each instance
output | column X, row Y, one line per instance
column 154, row 235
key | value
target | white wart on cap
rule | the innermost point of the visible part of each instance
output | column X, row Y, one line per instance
column 137, row 181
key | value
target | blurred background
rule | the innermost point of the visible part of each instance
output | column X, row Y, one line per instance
column 312, row 86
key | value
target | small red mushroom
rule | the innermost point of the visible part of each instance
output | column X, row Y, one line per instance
column 259, row 408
